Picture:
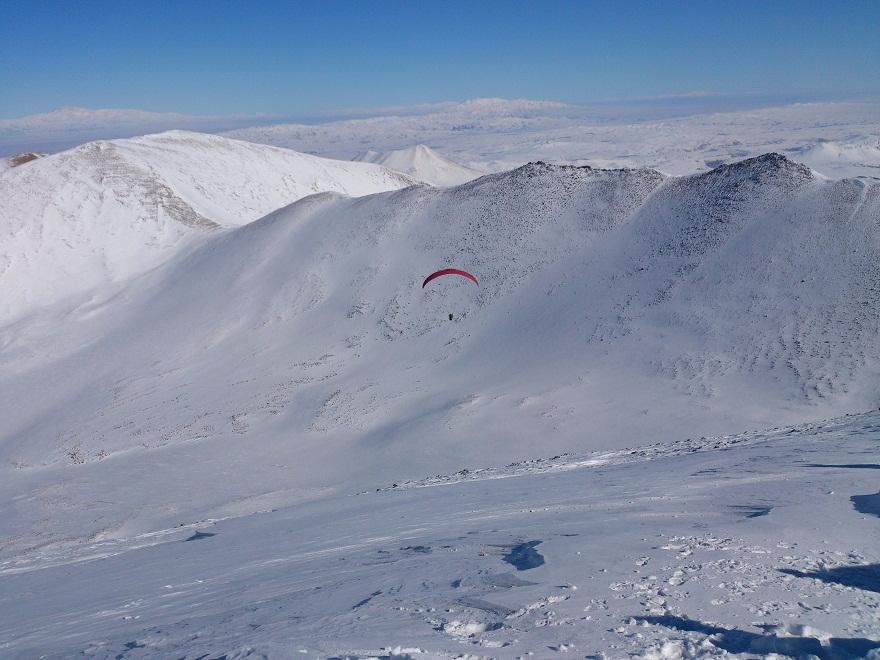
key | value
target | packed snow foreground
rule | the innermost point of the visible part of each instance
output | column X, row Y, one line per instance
column 272, row 441
column 763, row 543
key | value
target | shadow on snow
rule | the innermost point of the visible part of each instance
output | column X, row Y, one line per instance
column 741, row 641
column 865, row 577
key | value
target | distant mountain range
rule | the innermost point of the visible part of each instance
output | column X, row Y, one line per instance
column 677, row 135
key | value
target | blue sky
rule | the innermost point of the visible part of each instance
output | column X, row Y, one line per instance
column 307, row 58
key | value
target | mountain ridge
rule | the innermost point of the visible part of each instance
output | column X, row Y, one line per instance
column 613, row 304
column 112, row 208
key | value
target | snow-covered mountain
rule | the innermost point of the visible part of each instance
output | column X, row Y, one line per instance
column 76, row 118
column 423, row 164
column 860, row 156
column 302, row 349
column 107, row 210
column 288, row 364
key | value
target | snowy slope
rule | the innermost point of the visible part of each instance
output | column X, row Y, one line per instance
column 737, row 546
column 423, row 164
column 832, row 157
column 298, row 355
column 108, row 210
column 288, row 364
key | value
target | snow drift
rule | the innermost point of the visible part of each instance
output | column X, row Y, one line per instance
column 107, row 210
column 298, row 354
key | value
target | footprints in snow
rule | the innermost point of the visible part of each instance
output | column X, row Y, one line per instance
column 739, row 574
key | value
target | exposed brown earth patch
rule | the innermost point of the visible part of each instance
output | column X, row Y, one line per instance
column 21, row 159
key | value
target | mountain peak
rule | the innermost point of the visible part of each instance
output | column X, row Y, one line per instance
column 424, row 164
column 769, row 164
column 542, row 167
column 129, row 204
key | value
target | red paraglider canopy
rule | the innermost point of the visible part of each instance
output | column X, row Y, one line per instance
column 450, row 271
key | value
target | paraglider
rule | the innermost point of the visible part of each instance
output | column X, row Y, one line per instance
column 449, row 271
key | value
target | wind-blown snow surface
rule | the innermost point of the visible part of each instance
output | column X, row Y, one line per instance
column 423, row 164
column 738, row 546
column 298, row 356
column 108, row 210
